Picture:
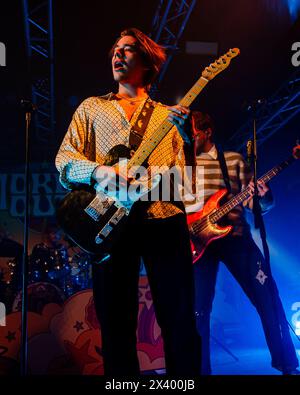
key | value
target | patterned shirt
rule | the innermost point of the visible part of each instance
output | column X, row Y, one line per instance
column 210, row 180
column 100, row 123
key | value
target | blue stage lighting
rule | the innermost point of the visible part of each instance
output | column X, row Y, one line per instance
column 294, row 8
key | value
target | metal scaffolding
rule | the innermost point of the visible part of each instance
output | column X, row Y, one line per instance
column 272, row 115
column 38, row 22
column 167, row 27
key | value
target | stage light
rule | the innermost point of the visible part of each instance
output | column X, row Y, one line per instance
column 294, row 8
column 281, row 7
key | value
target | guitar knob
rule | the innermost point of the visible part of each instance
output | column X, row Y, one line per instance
column 104, row 259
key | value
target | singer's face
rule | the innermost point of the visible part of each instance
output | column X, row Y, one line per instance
column 127, row 65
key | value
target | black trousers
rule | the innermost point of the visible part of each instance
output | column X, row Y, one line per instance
column 165, row 249
column 246, row 263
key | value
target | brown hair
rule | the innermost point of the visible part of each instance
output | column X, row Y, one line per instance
column 201, row 122
column 153, row 54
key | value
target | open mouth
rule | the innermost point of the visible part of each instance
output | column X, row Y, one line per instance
column 119, row 66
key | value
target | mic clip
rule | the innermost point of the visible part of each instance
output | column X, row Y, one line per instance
column 254, row 104
column 249, row 151
column 28, row 106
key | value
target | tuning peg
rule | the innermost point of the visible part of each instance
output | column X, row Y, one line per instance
column 235, row 50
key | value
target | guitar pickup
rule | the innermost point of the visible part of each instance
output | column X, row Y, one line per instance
column 98, row 207
column 115, row 219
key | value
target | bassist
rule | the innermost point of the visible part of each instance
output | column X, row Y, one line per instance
column 237, row 250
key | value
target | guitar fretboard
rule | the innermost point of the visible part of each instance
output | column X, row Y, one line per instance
column 148, row 146
column 245, row 194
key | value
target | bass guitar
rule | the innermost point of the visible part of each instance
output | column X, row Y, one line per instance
column 203, row 225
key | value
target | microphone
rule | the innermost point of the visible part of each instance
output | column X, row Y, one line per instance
column 249, row 151
column 252, row 105
column 28, row 106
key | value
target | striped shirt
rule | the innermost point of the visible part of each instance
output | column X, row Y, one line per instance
column 100, row 123
column 210, row 180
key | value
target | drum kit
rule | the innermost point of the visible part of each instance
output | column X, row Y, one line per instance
column 58, row 272
column 67, row 268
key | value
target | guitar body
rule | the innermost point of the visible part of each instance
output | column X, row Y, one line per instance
column 79, row 226
column 202, row 230
column 94, row 220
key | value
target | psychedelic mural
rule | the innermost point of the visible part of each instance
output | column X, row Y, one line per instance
column 64, row 336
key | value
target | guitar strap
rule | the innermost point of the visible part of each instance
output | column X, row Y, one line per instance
column 224, row 169
column 138, row 129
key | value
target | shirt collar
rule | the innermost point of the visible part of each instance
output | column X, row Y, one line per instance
column 212, row 153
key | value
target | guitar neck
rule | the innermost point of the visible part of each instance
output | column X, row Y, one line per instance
column 148, row 146
column 245, row 194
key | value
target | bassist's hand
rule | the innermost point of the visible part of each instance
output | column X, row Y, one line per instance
column 296, row 152
column 263, row 189
column 261, row 186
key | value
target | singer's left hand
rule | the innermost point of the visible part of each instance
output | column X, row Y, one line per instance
column 180, row 117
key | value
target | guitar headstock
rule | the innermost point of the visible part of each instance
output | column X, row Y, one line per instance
column 296, row 152
column 220, row 64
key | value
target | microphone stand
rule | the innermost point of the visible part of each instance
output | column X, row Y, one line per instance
column 28, row 107
column 253, row 159
column 259, row 223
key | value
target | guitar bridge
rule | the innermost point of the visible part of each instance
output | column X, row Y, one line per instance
column 115, row 219
column 99, row 206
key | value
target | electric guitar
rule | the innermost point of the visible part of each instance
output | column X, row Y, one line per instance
column 203, row 225
column 94, row 221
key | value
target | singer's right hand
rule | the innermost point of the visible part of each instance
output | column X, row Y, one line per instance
column 110, row 175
